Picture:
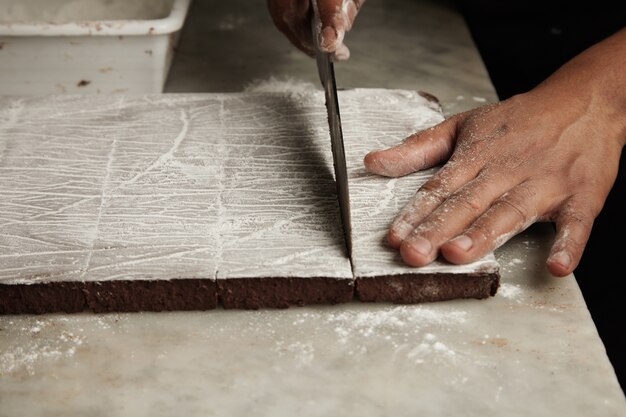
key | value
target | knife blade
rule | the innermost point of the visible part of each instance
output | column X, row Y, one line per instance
column 326, row 71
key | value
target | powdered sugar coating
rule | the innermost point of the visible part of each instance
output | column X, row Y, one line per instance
column 199, row 186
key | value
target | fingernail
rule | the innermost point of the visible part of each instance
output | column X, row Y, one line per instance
column 562, row 258
column 463, row 242
column 421, row 245
column 328, row 38
column 378, row 164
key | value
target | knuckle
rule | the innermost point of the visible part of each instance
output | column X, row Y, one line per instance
column 439, row 183
column 516, row 205
column 468, row 201
column 581, row 215
column 433, row 192
column 576, row 218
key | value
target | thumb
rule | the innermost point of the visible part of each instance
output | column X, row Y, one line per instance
column 419, row 151
column 336, row 18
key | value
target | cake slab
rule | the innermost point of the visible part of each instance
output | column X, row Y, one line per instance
column 190, row 201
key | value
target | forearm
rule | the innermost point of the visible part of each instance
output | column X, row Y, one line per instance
column 597, row 77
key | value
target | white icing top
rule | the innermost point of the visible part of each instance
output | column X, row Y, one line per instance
column 376, row 119
column 198, row 186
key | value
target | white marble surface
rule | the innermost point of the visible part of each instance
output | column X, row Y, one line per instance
column 530, row 350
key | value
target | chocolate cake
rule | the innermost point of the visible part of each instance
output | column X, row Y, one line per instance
column 193, row 201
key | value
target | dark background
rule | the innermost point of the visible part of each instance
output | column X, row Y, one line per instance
column 521, row 45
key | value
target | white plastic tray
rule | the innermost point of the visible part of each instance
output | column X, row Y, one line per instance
column 87, row 46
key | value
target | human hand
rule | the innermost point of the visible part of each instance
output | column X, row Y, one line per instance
column 293, row 19
column 551, row 154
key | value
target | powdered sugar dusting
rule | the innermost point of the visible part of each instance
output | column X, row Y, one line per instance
column 402, row 318
column 510, row 291
column 303, row 352
column 427, row 348
column 40, row 348
column 416, row 334
column 409, row 330
column 280, row 85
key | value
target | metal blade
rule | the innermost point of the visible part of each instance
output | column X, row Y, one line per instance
column 327, row 77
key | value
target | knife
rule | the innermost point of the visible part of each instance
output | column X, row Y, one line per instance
column 327, row 77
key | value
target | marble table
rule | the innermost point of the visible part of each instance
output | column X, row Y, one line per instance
column 530, row 350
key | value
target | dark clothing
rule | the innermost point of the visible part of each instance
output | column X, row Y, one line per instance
column 522, row 43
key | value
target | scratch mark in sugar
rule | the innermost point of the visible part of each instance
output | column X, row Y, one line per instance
column 50, row 213
column 294, row 256
column 44, row 193
column 387, row 197
column 177, row 253
column 103, row 202
column 95, row 250
column 184, row 118
column 103, row 197
column 42, row 253
column 32, row 239
column 258, row 233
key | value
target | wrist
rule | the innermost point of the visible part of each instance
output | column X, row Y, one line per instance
column 594, row 83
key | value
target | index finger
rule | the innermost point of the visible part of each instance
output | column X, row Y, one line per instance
column 293, row 19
